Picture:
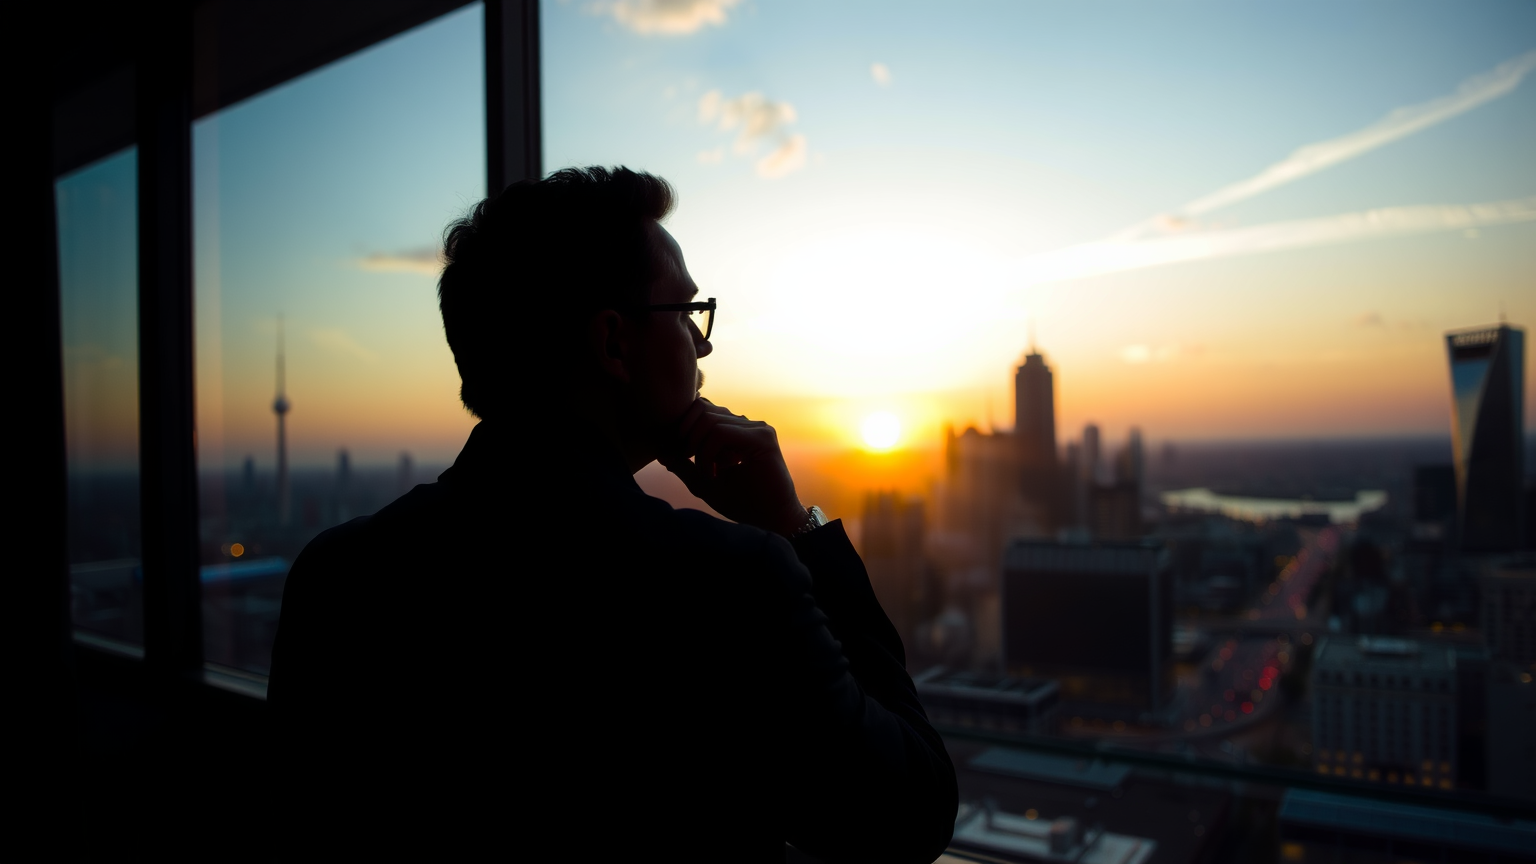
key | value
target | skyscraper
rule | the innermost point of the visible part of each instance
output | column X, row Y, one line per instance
column 280, row 406
column 1034, row 406
column 1487, row 435
column 892, row 548
column 1034, row 432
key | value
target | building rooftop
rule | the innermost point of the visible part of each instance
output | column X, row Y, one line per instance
column 1065, row 770
column 1373, row 653
column 1082, row 558
column 1365, row 816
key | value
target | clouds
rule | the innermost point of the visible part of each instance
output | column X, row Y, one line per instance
column 427, row 260
column 1170, row 238
column 1115, row 255
column 756, row 120
column 787, row 158
column 1312, row 158
column 667, row 17
column 1139, row 354
column 880, row 74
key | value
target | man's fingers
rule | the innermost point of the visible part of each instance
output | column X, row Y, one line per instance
column 693, row 476
column 703, row 428
column 734, row 440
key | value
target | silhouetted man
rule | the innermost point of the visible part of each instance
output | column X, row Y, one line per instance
column 533, row 658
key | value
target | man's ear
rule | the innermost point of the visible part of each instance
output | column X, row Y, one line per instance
column 608, row 344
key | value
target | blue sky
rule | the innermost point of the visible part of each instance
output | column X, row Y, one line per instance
column 877, row 240
column 323, row 201
column 97, row 212
column 999, row 131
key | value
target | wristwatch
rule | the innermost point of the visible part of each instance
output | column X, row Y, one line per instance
column 814, row 519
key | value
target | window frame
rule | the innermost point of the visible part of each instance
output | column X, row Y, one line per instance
column 175, row 67
column 182, row 63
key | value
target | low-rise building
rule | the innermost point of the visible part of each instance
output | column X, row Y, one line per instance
column 1384, row 710
column 966, row 700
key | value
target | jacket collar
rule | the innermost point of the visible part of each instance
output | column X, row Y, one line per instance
column 496, row 457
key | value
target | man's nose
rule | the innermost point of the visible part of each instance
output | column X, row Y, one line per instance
column 702, row 347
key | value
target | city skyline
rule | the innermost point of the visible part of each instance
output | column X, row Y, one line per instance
column 886, row 228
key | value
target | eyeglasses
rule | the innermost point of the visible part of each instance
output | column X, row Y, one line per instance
column 701, row 314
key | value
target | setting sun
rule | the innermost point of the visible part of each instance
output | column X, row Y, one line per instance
column 881, row 430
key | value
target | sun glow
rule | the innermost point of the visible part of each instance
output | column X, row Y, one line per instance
column 881, row 430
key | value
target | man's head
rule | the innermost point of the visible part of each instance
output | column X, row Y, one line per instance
column 542, row 299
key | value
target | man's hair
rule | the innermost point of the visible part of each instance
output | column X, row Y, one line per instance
column 523, row 269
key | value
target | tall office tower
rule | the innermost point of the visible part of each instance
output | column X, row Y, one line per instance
column 343, row 485
column 1385, row 710
column 1084, row 478
column 1133, row 459
column 1488, row 435
column 892, row 549
column 1092, row 456
column 280, row 407
column 1114, row 509
column 1034, row 433
column 405, row 477
column 1509, row 612
column 1097, row 618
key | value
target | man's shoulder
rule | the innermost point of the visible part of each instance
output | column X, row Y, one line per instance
column 727, row 545
column 696, row 526
column 381, row 533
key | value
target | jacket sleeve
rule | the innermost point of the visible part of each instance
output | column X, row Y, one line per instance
column 872, row 781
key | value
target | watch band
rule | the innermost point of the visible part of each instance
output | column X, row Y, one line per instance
column 814, row 518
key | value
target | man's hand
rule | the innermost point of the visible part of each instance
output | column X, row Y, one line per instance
column 735, row 465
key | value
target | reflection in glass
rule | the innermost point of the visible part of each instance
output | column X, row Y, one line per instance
column 98, row 298
column 324, row 385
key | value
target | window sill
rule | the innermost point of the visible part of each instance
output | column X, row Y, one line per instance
column 224, row 678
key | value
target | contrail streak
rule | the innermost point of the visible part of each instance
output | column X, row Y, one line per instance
column 1111, row 256
column 1310, row 159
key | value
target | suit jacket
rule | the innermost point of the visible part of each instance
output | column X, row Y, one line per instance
column 535, row 661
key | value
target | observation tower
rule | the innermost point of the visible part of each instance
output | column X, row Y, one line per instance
column 280, row 407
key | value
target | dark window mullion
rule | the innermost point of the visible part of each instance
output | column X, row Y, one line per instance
column 513, row 125
column 168, row 496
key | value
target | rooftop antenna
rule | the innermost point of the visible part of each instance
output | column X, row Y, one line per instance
column 1032, row 348
column 1503, row 318
column 280, row 407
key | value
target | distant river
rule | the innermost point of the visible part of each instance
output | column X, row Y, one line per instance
column 1266, row 509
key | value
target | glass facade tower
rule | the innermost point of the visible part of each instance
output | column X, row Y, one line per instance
column 1487, row 435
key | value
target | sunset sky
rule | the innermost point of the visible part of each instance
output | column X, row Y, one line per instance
column 1219, row 220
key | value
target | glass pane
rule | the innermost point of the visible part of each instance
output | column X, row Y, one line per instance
column 325, row 388
column 98, row 295
column 1120, row 343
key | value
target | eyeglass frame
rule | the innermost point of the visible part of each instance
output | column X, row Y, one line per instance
column 697, row 306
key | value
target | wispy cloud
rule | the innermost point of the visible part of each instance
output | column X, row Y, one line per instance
column 1170, row 238
column 667, row 17
column 1368, row 319
column 1111, row 256
column 426, row 260
column 711, row 157
column 787, row 158
column 339, row 341
column 756, row 120
column 1312, row 158
column 880, row 73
